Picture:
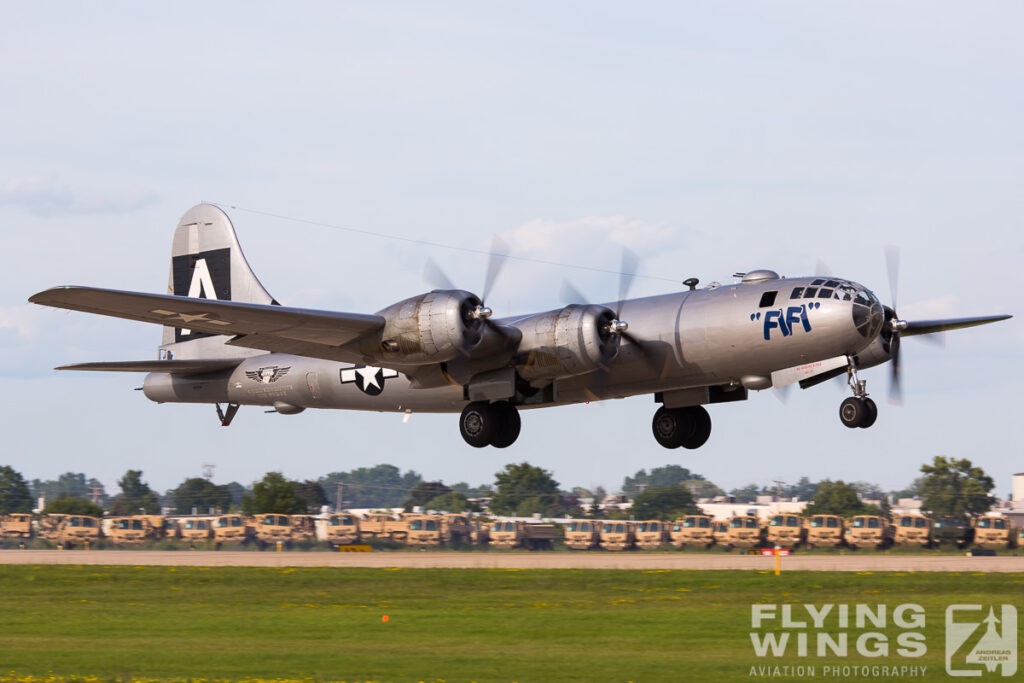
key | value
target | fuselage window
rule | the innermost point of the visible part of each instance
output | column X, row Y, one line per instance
column 797, row 293
column 825, row 294
column 811, row 291
column 767, row 299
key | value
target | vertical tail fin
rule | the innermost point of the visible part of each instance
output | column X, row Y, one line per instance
column 207, row 263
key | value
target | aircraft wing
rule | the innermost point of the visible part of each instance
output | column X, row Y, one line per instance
column 300, row 331
column 933, row 326
column 175, row 367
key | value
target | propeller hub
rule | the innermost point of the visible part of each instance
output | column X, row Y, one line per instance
column 617, row 326
column 481, row 312
column 897, row 325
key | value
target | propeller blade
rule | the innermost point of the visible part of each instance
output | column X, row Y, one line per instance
column 571, row 295
column 895, row 388
column 782, row 393
column 646, row 352
column 932, row 326
column 626, row 276
column 433, row 274
column 498, row 257
column 892, row 264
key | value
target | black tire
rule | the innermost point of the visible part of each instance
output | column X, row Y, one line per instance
column 701, row 428
column 479, row 424
column 509, row 424
column 871, row 415
column 852, row 412
column 672, row 426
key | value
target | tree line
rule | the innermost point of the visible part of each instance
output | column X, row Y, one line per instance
column 948, row 486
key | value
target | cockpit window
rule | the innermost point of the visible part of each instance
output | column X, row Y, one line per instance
column 810, row 292
column 825, row 294
column 819, row 281
column 797, row 293
column 767, row 299
column 832, row 283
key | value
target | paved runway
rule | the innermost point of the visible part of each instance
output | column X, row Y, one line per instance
column 516, row 560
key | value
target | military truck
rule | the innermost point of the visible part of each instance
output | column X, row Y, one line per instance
column 16, row 525
column 692, row 530
column 194, row 529
column 863, row 531
column 171, row 528
column 582, row 534
column 271, row 529
column 993, row 532
column 720, row 530
column 913, row 530
column 825, row 531
column 342, row 529
column 953, row 531
column 617, row 535
column 785, row 530
column 744, row 531
column 423, row 530
column 303, row 527
column 384, row 526
column 456, row 528
column 134, row 529
column 231, row 529
column 651, row 533
column 70, row 530
column 523, row 535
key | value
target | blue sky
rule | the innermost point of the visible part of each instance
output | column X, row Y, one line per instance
column 709, row 137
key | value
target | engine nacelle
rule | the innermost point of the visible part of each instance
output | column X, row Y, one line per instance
column 883, row 349
column 431, row 328
column 571, row 341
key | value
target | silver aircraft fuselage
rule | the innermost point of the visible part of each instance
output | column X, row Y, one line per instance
column 731, row 336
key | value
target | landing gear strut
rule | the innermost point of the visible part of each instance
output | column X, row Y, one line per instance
column 859, row 410
column 687, row 427
column 226, row 417
column 490, row 424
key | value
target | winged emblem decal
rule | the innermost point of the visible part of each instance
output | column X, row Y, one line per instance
column 268, row 374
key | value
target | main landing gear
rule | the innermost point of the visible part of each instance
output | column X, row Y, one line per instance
column 687, row 427
column 858, row 410
column 490, row 424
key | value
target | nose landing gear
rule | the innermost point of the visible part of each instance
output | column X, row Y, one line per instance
column 859, row 410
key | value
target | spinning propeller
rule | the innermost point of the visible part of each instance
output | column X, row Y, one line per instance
column 476, row 311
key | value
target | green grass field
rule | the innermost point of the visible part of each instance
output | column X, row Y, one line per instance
column 443, row 624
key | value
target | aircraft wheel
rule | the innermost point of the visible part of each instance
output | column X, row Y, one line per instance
column 508, row 426
column 870, row 415
column 479, row 424
column 701, row 429
column 853, row 412
column 672, row 426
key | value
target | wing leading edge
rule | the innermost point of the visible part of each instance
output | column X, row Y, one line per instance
column 306, row 332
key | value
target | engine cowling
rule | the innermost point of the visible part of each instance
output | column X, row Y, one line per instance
column 570, row 341
column 884, row 347
column 432, row 327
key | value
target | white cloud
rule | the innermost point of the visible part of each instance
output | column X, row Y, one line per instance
column 546, row 237
column 20, row 322
column 46, row 196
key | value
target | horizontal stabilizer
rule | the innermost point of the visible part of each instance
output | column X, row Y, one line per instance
column 260, row 326
column 175, row 367
column 933, row 326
